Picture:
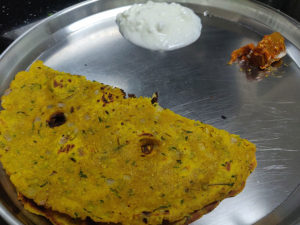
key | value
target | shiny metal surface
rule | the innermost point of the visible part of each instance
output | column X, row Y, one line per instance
column 195, row 82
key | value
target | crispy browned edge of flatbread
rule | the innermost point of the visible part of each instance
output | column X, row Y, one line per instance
column 208, row 208
column 51, row 215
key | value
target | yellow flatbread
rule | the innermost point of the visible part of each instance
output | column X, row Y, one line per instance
column 80, row 148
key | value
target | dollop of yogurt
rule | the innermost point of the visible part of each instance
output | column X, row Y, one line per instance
column 159, row 26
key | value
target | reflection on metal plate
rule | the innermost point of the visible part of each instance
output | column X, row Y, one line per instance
column 195, row 82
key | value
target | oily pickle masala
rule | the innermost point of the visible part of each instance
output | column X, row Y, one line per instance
column 79, row 151
column 269, row 50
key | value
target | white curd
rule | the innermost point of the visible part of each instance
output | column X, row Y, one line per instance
column 159, row 26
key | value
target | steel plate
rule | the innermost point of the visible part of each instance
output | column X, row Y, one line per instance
column 195, row 82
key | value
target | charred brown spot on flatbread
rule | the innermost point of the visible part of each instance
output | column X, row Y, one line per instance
column 148, row 145
column 154, row 98
column 57, row 119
